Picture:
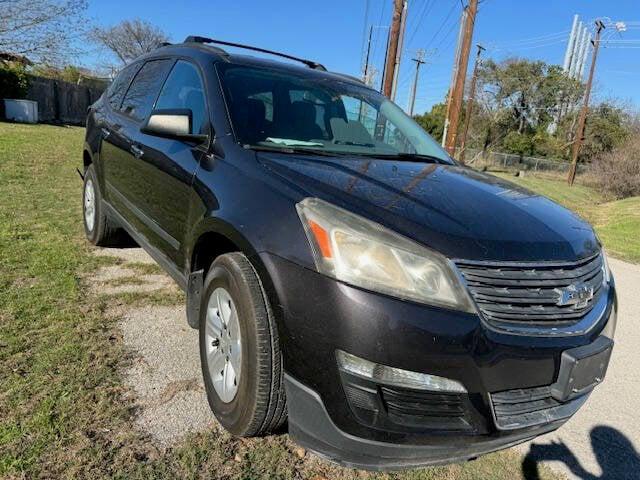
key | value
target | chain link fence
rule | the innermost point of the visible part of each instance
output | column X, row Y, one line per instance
column 509, row 161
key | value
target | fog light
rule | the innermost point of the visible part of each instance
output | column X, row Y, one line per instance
column 395, row 376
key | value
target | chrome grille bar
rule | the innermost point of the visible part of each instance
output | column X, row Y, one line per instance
column 530, row 293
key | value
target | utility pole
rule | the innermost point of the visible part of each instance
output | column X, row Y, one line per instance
column 366, row 61
column 470, row 100
column 461, row 73
column 454, row 72
column 577, row 143
column 392, row 55
column 403, row 27
column 419, row 61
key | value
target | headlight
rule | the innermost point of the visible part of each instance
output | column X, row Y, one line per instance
column 358, row 251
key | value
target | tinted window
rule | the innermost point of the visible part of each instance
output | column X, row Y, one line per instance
column 144, row 89
column 183, row 89
column 120, row 84
column 311, row 110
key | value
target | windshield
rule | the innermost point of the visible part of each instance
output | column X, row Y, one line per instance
column 278, row 109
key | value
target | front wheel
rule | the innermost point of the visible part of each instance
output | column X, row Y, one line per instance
column 239, row 349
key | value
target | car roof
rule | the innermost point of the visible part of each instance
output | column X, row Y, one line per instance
column 207, row 52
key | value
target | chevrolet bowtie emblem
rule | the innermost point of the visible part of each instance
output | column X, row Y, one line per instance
column 577, row 295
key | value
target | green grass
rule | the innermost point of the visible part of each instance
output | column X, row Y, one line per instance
column 64, row 411
column 616, row 222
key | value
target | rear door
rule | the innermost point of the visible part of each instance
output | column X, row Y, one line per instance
column 127, row 185
column 114, row 145
column 169, row 165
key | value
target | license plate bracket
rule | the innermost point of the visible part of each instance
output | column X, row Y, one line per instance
column 581, row 369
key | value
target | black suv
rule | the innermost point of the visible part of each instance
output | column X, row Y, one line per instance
column 410, row 310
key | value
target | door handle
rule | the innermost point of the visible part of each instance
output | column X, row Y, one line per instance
column 137, row 151
column 105, row 133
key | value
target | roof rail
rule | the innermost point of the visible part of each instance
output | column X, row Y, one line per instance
column 308, row 63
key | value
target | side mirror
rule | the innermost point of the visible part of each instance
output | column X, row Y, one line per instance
column 177, row 124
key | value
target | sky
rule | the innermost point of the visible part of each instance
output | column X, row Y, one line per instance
column 333, row 33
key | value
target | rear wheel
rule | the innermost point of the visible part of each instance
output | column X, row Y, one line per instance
column 98, row 228
column 239, row 350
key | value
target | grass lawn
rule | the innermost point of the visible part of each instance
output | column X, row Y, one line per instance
column 617, row 223
column 64, row 411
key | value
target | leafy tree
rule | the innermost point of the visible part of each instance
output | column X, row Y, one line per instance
column 129, row 39
column 433, row 122
column 520, row 143
column 14, row 82
column 607, row 127
column 530, row 108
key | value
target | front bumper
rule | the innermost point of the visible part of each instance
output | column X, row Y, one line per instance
column 318, row 315
column 311, row 426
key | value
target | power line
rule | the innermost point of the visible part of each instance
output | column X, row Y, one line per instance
column 382, row 10
column 425, row 10
column 453, row 8
column 539, row 38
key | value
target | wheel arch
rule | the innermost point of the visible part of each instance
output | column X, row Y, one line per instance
column 214, row 237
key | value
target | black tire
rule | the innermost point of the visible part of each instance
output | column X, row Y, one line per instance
column 103, row 233
column 259, row 406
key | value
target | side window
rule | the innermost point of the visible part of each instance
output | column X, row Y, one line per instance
column 183, row 89
column 139, row 99
column 116, row 91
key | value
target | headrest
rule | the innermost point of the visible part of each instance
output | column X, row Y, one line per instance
column 303, row 111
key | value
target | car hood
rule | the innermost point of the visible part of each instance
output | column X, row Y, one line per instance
column 457, row 211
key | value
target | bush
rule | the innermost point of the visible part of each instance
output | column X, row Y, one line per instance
column 518, row 143
column 618, row 172
column 14, row 82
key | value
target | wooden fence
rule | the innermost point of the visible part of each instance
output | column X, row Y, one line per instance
column 62, row 102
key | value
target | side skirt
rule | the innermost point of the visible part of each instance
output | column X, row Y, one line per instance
column 162, row 260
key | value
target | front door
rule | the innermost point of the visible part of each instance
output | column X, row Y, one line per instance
column 126, row 175
column 170, row 165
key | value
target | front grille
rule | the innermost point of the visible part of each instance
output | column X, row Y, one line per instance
column 531, row 293
column 521, row 408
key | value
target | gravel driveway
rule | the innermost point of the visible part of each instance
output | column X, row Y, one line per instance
column 603, row 440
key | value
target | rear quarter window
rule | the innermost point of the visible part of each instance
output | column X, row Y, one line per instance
column 115, row 92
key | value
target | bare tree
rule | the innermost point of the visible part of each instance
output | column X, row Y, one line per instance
column 129, row 39
column 43, row 30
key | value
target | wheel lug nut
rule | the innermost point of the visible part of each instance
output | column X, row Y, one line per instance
column 215, row 342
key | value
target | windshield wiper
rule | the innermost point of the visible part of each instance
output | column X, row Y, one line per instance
column 408, row 156
column 290, row 150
